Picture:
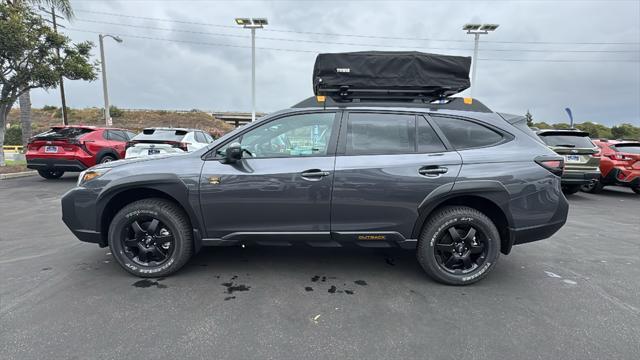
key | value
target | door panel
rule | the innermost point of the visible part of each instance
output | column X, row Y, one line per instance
column 281, row 185
column 382, row 192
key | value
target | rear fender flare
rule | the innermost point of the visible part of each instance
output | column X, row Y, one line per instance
column 490, row 190
column 106, row 151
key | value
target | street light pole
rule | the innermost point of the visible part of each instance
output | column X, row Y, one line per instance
column 253, row 74
column 475, row 62
column 107, row 115
column 252, row 24
column 477, row 30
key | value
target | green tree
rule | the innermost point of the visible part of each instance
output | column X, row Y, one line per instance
column 64, row 8
column 595, row 130
column 529, row 118
column 625, row 131
column 28, row 58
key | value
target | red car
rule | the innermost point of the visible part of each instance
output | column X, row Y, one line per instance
column 75, row 148
column 619, row 165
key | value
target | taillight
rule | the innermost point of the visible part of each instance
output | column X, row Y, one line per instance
column 555, row 166
column 182, row 146
column 620, row 157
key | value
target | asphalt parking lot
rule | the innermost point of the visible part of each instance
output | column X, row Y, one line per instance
column 574, row 296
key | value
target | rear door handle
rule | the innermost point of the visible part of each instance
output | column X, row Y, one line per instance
column 314, row 174
column 432, row 170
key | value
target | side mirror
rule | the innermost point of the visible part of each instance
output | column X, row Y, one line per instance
column 233, row 153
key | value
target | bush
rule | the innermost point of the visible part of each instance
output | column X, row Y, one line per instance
column 58, row 113
column 115, row 112
column 13, row 136
column 49, row 108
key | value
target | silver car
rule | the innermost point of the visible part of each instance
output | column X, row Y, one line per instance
column 163, row 141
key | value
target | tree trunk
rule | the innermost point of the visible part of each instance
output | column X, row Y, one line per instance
column 25, row 117
column 4, row 111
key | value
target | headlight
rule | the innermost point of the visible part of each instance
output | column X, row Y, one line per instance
column 90, row 174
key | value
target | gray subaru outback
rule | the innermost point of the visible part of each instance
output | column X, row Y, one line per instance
column 449, row 178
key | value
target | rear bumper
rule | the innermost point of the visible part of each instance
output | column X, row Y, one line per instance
column 580, row 177
column 539, row 232
column 55, row 163
column 622, row 177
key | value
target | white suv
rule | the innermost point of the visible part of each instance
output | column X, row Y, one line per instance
column 155, row 141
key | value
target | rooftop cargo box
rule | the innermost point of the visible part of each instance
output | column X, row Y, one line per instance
column 390, row 75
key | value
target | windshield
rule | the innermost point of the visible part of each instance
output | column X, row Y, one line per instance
column 633, row 148
column 568, row 140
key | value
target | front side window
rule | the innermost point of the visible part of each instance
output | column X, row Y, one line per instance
column 290, row 136
column 464, row 134
column 370, row 133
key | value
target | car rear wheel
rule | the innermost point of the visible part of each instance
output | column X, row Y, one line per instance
column 458, row 246
column 51, row 174
column 151, row 238
column 593, row 187
column 107, row 158
column 570, row 189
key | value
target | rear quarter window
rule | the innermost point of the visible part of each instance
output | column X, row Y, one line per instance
column 465, row 134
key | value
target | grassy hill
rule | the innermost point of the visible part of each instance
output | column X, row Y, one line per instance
column 43, row 119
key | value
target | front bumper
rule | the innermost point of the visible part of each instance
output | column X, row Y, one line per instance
column 55, row 164
column 79, row 214
column 579, row 177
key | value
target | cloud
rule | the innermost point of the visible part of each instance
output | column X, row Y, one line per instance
column 186, row 73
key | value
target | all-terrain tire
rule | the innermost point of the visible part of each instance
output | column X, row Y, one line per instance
column 438, row 225
column 51, row 174
column 171, row 216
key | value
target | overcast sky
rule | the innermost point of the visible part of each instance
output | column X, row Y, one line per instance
column 545, row 56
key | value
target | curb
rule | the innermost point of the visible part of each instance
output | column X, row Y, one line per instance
column 17, row 175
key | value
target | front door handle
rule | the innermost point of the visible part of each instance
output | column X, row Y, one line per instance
column 432, row 170
column 314, row 174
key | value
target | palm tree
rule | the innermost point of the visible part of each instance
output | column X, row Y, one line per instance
column 64, row 8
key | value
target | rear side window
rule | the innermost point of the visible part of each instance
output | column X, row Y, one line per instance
column 369, row 133
column 567, row 140
column 464, row 134
column 116, row 135
column 428, row 141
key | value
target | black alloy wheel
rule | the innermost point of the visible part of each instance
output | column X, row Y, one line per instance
column 147, row 241
column 461, row 249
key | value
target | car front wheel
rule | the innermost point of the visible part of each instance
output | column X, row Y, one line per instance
column 151, row 238
column 458, row 246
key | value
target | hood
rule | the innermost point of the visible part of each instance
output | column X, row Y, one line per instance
column 118, row 163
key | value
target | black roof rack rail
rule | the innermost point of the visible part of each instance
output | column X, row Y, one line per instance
column 449, row 103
